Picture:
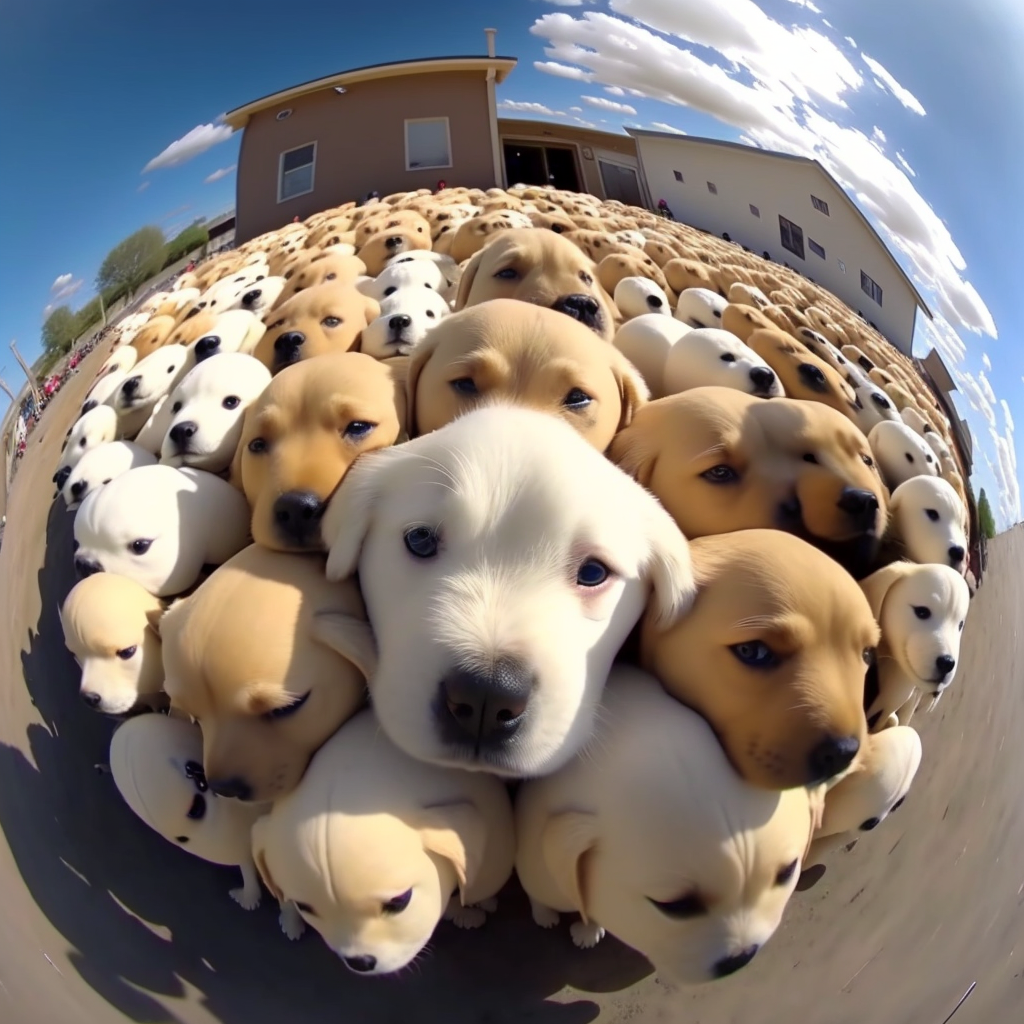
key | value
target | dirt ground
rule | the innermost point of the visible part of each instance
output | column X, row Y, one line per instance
column 103, row 921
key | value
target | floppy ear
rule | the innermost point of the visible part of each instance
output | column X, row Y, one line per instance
column 153, row 617
column 348, row 636
column 633, row 390
column 421, row 355
column 371, row 308
column 669, row 566
column 466, row 281
column 457, row 832
column 630, row 452
column 877, row 585
column 258, row 855
column 565, row 842
column 346, row 520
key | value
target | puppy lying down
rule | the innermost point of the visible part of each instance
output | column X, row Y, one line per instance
column 495, row 638
column 650, row 835
column 374, row 848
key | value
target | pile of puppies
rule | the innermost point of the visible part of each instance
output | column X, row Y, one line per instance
column 644, row 552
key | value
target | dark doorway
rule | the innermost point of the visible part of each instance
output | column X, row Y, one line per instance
column 541, row 165
column 620, row 183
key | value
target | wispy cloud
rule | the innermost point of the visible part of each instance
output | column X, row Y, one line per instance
column 602, row 104
column 143, row 186
column 198, row 140
column 887, row 82
column 223, row 172
column 661, row 126
column 63, row 287
column 523, row 107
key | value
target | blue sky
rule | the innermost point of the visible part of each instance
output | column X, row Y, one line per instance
column 913, row 105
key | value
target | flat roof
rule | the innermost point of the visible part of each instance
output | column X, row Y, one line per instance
column 674, row 137
column 239, row 117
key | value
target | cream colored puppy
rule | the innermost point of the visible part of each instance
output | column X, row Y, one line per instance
column 927, row 516
column 710, row 356
column 450, row 270
column 496, row 633
column 93, row 428
column 150, row 379
column 651, row 835
column 106, row 387
column 122, row 359
column 235, row 330
column 875, row 406
column 99, row 466
column 700, row 307
column 638, row 296
column 260, row 298
column 901, row 453
column 646, row 342
column 407, row 317
column 913, row 419
column 412, row 273
column 374, row 848
column 921, row 610
column 110, row 626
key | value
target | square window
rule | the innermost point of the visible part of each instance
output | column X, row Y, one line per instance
column 868, row 287
column 295, row 172
column 754, row 210
column 842, row 266
column 678, row 175
column 428, row 144
column 792, row 237
column 712, row 188
column 820, row 205
column 815, row 248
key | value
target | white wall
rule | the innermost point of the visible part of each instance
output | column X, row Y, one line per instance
column 743, row 176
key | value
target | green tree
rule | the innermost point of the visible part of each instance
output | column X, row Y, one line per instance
column 132, row 261
column 60, row 330
column 985, row 518
column 193, row 237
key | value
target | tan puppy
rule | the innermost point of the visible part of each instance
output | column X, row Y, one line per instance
column 375, row 848
column 742, row 320
column 323, row 268
column 304, row 431
column 612, row 269
column 326, row 319
column 473, row 234
column 110, row 625
column 153, row 336
column 521, row 353
column 720, row 460
column 682, row 273
column 651, row 835
column 388, row 242
column 541, row 267
column 773, row 655
column 244, row 657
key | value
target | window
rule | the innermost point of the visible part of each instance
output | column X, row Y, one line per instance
column 815, row 248
column 678, row 175
column 428, row 144
column 295, row 175
column 820, row 205
column 712, row 188
column 754, row 210
column 842, row 265
column 868, row 287
column 282, row 114
column 792, row 237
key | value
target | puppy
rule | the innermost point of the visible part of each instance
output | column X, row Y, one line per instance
column 375, row 848
column 541, row 267
column 475, row 233
column 120, row 360
column 700, row 307
column 743, row 320
column 205, row 412
column 637, row 296
column 153, row 336
column 159, row 526
column 405, row 273
column 721, row 461
column 519, row 353
column 773, row 655
column 709, row 356
column 150, row 379
column 261, row 298
column 323, row 268
column 646, row 342
column 927, row 516
column 451, row 272
column 651, row 835
column 110, row 625
column 901, row 453
column 407, row 317
column 615, row 267
column 103, row 390
column 747, row 295
column 302, row 434
column 913, row 418
column 99, row 466
column 468, row 607
column 873, row 407
column 93, row 428
column 921, row 610
column 388, row 242
column 234, row 330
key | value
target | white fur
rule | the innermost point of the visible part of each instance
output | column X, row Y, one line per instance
column 927, row 515
column 876, row 406
column 104, row 388
column 646, row 342
column 121, row 359
column 260, row 298
column 99, row 466
column 97, row 426
column 390, row 336
column 700, row 307
column 900, row 453
column 235, row 330
column 411, row 274
column 450, row 270
column 637, row 296
column 711, row 356
column 916, row 421
column 156, row 375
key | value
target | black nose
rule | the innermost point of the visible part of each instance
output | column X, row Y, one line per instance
column 232, row 789
column 85, row 567
column 860, row 506
column 130, row 386
column 286, row 347
column 956, row 555
column 297, row 517
column 831, row 756
column 206, row 347
column 92, row 700
column 181, row 433
column 870, row 825
column 394, row 241
column 250, row 297
column 78, row 488
column 400, row 322
column 360, row 964
column 812, row 376
column 945, row 664
column 89, row 406
column 487, row 705
column 731, row 964
column 61, row 477
column 580, row 307
column 654, row 301
column 762, row 378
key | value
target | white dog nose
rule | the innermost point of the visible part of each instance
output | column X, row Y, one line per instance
column 486, row 705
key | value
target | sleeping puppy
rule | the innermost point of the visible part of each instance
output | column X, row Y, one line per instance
column 695, row 874
column 243, row 656
column 646, row 342
column 524, row 354
column 928, row 518
column 150, row 379
column 99, row 466
column 406, row 317
column 374, row 848
column 913, row 418
column 110, row 626
column 637, row 296
column 743, row 320
column 921, row 609
column 773, row 655
column 159, row 526
column 700, row 307
column 494, row 647
column 709, row 356
column 901, row 453
column 747, row 295
column 542, row 267
column 721, row 461
column 93, row 428
column 301, row 435
column 451, row 272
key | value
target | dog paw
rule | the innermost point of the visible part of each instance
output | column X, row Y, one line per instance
column 489, row 905
column 586, row 935
column 291, row 921
column 246, row 898
column 542, row 915
column 464, row 917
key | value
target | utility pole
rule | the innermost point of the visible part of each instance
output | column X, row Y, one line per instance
column 36, row 397
column 7, row 391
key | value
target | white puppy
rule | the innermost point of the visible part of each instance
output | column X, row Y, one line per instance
column 928, row 517
column 104, row 388
column 916, row 421
column 646, row 342
column 408, row 274
column 651, row 834
column 235, row 330
column 260, row 298
column 711, row 356
column 374, row 848
column 159, row 526
column 450, row 270
column 407, row 316
column 206, row 411
column 496, row 634
column 700, row 307
column 101, row 465
column 875, row 406
column 93, row 428
column 149, row 380
column 120, row 360
column 637, row 296
column 921, row 610
column 821, row 346
column 900, row 453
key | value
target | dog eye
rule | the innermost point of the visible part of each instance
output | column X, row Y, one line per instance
column 139, row 547
column 331, row 321
column 194, row 772
column 592, row 573
column 181, row 839
column 868, row 654
column 508, row 274
column 922, row 612
column 756, row 654
column 585, row 277
column 464, row 386
column 358, row 429
column 176, row 407
column 721, row 475
column 231, row 402
column 576, row 399
column 811, row 458
column 289, row 709
column 727, row 357
column 274, row 326
column 198, row 809
column 932, row 514
column 391, row 290
column 909, row 457
column 867, row 460
column 305, row 908
column 398, row 904
column 961, row 627
column 430, row 313
column 689, row 906
column 330, row 277
column 899, row 803
column 83, row 442
column 421, row 541
column 258, row 446
column 870, row 824
column 127, row 652
column 786, row 874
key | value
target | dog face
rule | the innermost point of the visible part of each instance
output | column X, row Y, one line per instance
column 150, row 379
column 635, row 296
column 709, row 356
column 519, row 353
column 99, row 466
column 646, row 342
column 874, row 407
column 928, row 515
column 388, row 242
column 207, row 408
column 405, row 274
column 407, row 317
column 93, row 428
column 109, row 625
column 722, row 461
column 543, row 268
column 235, row 330
column 302, row 434
column 323, row 268
column 440, row 531
column 261, row 298
column 152, row 336
column 700, row 307
column 121, row 359
column 773, row 655
column 242, row 657
column 318, row 321
column 472, row 235
column 901, row 453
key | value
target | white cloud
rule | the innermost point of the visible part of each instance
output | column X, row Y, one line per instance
column 198, row 140
column 852, row 42
column 529, row 108
column 63, row 287
column 662, row 127
column 222, row 172
column 562, row 70
column 576, row 110
column 61, row 281
column 877, row 134
column 902, row 161
column 886, row 81
column 807, row 4
column 602, row 104
column 143, row 186
column 615, row 90
column 986, row 362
